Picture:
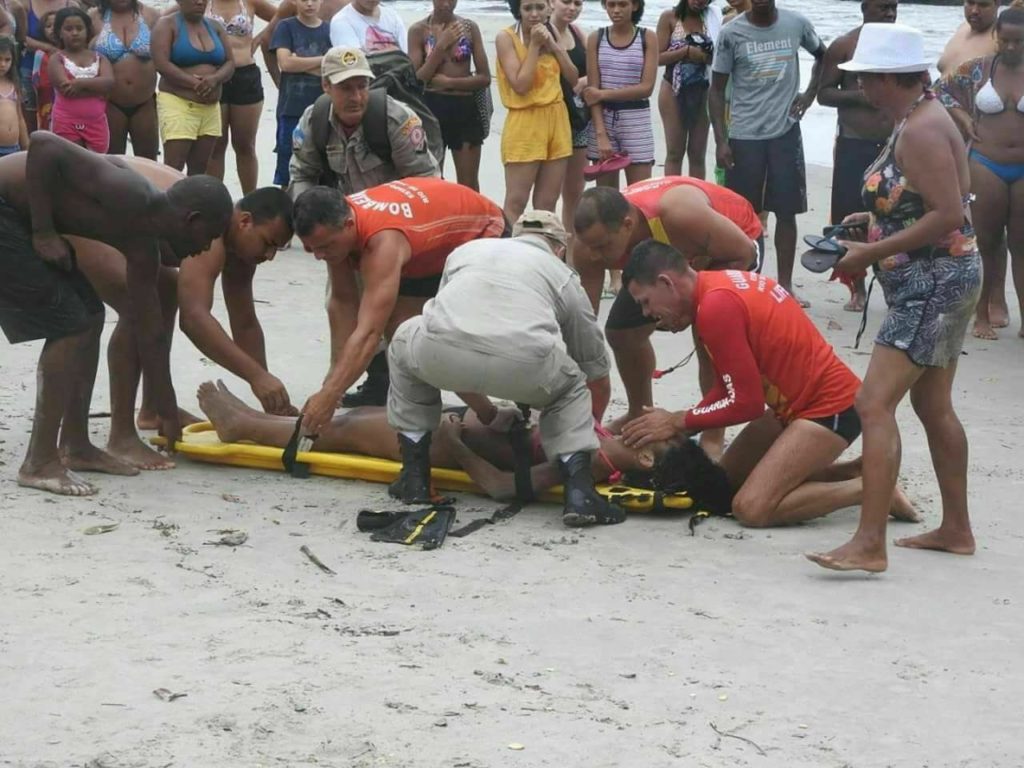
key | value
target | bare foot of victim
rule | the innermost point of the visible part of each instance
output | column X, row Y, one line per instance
column 236, row 401
column 983, row 330
column 852, row 556
column 138, row 454
column 55, row 478
column 221, row 411
column 149, row 420
column 941, row 540
column 902, row 509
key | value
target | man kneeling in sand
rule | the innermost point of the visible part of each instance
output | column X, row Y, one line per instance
column 530, row 336
column 766, row 351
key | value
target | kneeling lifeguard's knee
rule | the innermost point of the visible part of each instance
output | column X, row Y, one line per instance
column 750, row 512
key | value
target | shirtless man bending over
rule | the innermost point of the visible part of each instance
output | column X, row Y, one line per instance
column 59, row 187
column 766, row 352
column 260, row 226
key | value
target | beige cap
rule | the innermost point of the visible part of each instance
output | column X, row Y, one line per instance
column 339, row 64
column 541, row 223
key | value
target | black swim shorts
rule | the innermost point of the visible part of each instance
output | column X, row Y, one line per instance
column 851, row 158
column 846, row 424
column 37, row 300
column 244, row 88
column 770, row 173
column 459, row 118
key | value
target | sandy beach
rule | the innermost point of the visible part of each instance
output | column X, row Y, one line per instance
column 526, row 643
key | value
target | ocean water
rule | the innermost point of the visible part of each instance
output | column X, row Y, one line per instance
column 831, row 18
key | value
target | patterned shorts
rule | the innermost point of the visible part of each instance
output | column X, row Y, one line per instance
column 630, row 132
column 931, row 302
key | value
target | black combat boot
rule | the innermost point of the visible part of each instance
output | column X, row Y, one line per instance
column 584, row 505
column 374, row 389
column 413, row 483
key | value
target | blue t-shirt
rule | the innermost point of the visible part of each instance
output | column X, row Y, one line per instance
column 300, row 89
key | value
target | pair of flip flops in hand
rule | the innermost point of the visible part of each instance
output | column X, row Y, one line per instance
column 825, row 250
column 613, row 164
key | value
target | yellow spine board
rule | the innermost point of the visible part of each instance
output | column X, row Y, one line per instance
column 199, row 442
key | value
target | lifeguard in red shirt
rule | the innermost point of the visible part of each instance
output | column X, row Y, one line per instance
column 774, row 370
column 712, row 226
column 397, row 236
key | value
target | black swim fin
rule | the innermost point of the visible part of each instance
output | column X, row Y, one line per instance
column 425, row 528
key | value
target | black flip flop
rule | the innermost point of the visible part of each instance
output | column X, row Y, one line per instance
column 823, row 255
column 834, row 230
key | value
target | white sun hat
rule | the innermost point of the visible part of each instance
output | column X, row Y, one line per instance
column 888, row 48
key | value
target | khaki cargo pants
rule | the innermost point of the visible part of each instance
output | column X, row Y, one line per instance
column 422, row 365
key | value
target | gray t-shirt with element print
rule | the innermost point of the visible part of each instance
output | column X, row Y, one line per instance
column 764, row 69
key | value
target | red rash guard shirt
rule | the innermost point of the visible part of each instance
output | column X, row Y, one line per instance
column 766, row 351
column 646, row 195
column 434, row 215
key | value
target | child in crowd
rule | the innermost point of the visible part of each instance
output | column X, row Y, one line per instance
column 41, row 74
column 81, row 81
column 13, row 133
column 299, row 44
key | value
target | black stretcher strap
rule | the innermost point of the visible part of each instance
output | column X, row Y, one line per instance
column 289, row 458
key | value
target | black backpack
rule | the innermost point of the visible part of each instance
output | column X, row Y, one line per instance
column 394, row 76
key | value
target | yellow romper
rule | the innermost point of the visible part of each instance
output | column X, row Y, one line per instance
column 537, row 125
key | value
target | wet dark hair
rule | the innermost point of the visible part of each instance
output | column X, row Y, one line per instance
column 686, row 467
column 649, row 259
column 639, row 12
column 319, row 206
column 514, row 6
column 66, row 13
column 603, row 205
column 8, row 45
column 1012, row 15
column 267, row 204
